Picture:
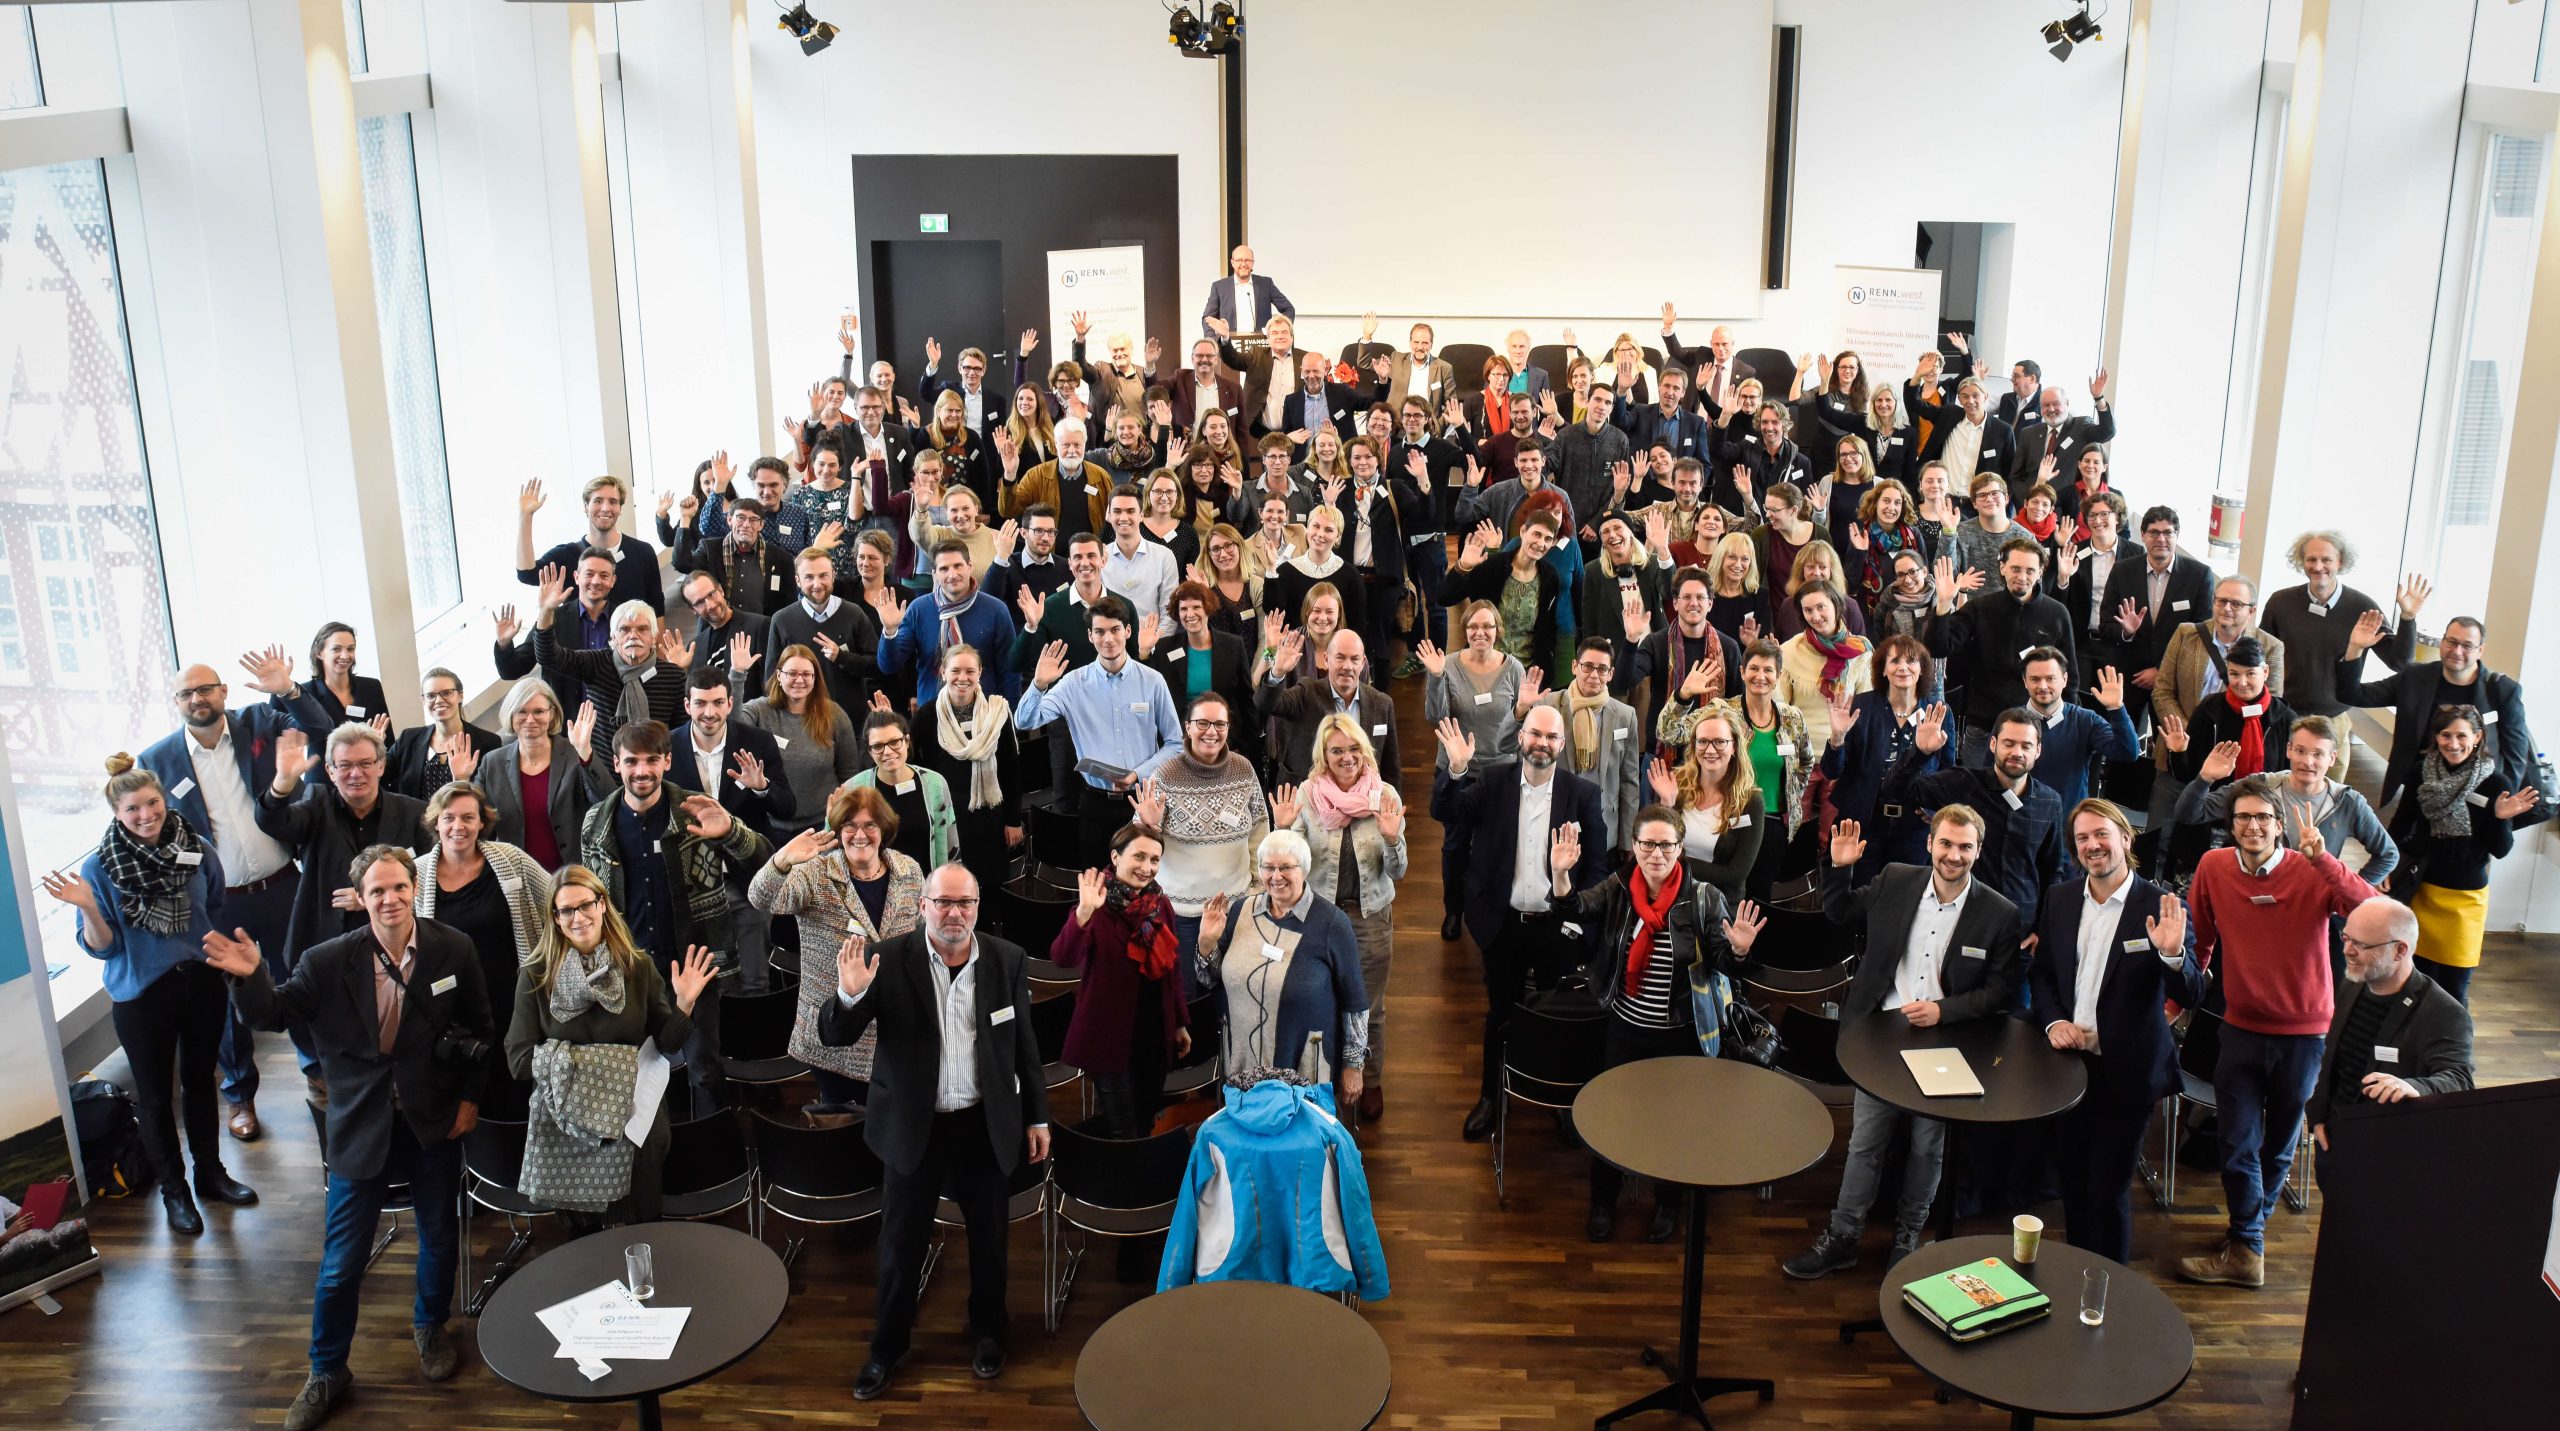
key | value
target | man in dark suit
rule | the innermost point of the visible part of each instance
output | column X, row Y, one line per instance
column 2059, row 436
column 879, row 456
column 212, row 768
column 2457, row 677
column 1318, row 398
column 1189, row 386
column 2397, row 1034
column 1718, row 372
column 2149, row 600
column 1942, row 948
column 984, row 407
column 2020, row 406
column 1508, row 822
column 2112, row 949
column 325, row 823
column 396, row 1009
column 738, row 765
column 1297, row 707
column 957, row 1101
column 2080, row 577
column 1243, row 303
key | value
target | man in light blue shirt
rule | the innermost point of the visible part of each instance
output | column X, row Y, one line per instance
column 1119, row 713
column 1139, row 572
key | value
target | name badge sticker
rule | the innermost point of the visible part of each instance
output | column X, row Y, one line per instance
column 1973, row 951
column 1484, row 698
column 190, row 858
column 2180, row 604
column 2012, row 797
column 1272, row 951
column 2386, row 1053
column 442, row 986
column 1378, row 730
column 1177, row 653
column 179, row 790
column 1002, row 1015
column 782, row 742
column 2488, row 718
column 2478, row 799
column 2315, row 608
column 2137, row 946
column 355, row 710
column 2262, row 899
column 1137, row 707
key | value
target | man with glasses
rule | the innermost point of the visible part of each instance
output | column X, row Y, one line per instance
column 2458, row 677
column 1211, row 809
column 2396, row 1035
column 1202, row 389
column 1979, row 541
column 742, row 561
column 670, row 855
column 725, row 639
column 1035, row 564
column 1119, row 713
column 2150, row 601
column 2263, row 910
column 212, row 768
column 1296, row 707
column 2193, row 668
column 957, row 1103
column 1604, row 742
column 325, row 823
column 983, row 408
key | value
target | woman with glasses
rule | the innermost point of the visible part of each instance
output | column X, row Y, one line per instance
column 2457, row 817
column 1164, row 519
column 589, row 985
column 1722, row 818
column 1775, row 744
column 819, row 748
column 147, row 896
column 969, row 742
column 535, row 783
column 499, row 897
column 1195, row 658
column 1657, row 931
column 928, row 826
column 839, row 880
column 1353, row 822
column 1132, row 1017
column 426, row 758
column 1287, row 968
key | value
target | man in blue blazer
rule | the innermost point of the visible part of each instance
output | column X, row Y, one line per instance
column 1509, row 908
column 1229, row 311
column 2113, row 948
column 212, row 768
column 741, row 767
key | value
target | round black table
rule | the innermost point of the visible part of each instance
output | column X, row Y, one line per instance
column 1698, row 1123
column 2056, row 1367
column 1236, row 1356
column 735, row 1285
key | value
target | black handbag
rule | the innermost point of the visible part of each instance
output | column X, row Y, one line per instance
column 1748, row 1035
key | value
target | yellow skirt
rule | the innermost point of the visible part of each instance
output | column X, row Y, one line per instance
column 2450, row 924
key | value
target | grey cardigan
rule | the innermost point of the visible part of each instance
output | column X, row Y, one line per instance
column 813, row 771
column 526, row 883
column 2344, row 814
column 501, row 775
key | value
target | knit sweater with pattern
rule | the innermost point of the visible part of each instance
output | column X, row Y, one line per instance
column 1214, row 818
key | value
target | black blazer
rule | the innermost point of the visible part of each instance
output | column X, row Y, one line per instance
column 2428, row 1028
column 1998, row 439
column 2105, row 648
column 772, row 810
column 2078, row 435
column 2413, row 695
column 907, row 1069
column 1483, row 813
column 2020, row 414
column 407, row 758
column 1975, row 984
column 2137, row 1061
column 572, row 790
column 331, row 996
column 994, row 404
column 314, row 708
column 1230, row 673
column 2188, row 597
column 1297, row 707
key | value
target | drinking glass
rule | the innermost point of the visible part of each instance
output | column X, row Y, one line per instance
column 638, row 1273
column 2093, row 1296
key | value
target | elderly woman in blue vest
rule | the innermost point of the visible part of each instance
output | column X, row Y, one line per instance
column 1353, row 821
column 1287, row 968
column 928, row 828
column 147, row 897
column 1658, row 929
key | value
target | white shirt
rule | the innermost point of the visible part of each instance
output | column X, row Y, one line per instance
column 956, row 992
column 248, row 853
column 972, row 405
column 2098, row 921
column 2102, row 564
column 1962, row 453
column 1933, row 925
column 1145, row 580
column 1532, row 882
column 1248, row 306
column 706, row 759
column 1204, row 398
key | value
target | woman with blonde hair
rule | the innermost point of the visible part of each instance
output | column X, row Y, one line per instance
column 1325, row 458
column 819, row 751
column 1893, row 451
column 1034, row 435
column 964, row 457
column 1230, row 567
column 1353, row 822
column 838, row 880
column 1735, row 605
column 1162, row 520
column 1629, row 376
column 498, row 897
column 1838, row 408
column 1722, row 820
column 587, row 990
column 146, row 898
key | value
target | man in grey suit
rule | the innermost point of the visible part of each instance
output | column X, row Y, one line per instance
column 1604, row 742
column 1243, row 303
column 1942, row 948
column 2396, row 1035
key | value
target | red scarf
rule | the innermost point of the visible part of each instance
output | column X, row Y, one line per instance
column 2253, row 735
column 2044, row 530
column 1838, row 650
column 1153, row 946
column 1652, row 914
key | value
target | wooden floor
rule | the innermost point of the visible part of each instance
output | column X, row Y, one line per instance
column 1500, row 1318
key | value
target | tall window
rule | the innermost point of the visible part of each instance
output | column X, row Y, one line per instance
column 21, row 85
column 85, row 650
column 386, row 147
column 2453, row 520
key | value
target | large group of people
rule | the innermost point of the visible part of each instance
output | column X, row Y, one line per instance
column 1691, row 638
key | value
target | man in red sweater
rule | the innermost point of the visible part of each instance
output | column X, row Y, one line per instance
column 2267, row 908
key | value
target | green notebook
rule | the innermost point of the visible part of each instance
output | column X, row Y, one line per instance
column 1977, row 1299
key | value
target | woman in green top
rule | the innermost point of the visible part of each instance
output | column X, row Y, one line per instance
column 921, row 798
column 1779, row 752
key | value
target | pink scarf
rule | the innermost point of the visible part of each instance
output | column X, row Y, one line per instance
column 1336, row 807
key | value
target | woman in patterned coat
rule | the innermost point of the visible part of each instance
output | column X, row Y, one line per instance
column 840, row 879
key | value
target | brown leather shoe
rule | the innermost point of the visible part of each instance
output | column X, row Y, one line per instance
column 2231, row 1265
column 1373, row 1103
column 242, row 1120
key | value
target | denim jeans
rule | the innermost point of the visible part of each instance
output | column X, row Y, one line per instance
column 2260, row 1082
column 2453, row 980
column 355, row 1206
column 1870, row 1133
column 265, row 915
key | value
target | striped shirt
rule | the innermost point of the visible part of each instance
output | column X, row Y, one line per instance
column 1647, row 1002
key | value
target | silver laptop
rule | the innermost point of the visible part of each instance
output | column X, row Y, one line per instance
column 1942, row 1073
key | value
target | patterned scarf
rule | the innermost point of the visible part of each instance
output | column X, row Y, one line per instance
column 1838, row 650
column 2441, row 789
column 1875, row 574
column 1152, row 944
column 1653, row 914
column 576, row 986
column 990, row 716
column 2253, row 733
column 1683, row 659
column 148, row 878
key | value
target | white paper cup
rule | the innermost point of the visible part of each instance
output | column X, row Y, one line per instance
column 2026, row 1238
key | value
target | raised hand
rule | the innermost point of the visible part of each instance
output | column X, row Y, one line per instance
column 1150, row 630
column 1564, row 847
column 2129, row 617
column 1390, row 813
column 293, row 756
column 1092, row 892
column 2515, row 802
column 72, row 890
column 1147, row 804
column 1670, row 317
column 2168, row 930
column 381, row 726
column 817, row 399
column 1285, row 805
column 856, row 965
column 2413, row 593
column 1930, row 735
column 1858, row 537
column 1743, row 930
column 880, row 703
column 529, row 499
column 932, row 352
column 691, row 977
column 2367, row 632
column 2306, row 836
column 2048, row 469
column 2066, row 561
column 1453, row 413
column 1457, row 744
column 1747, row 632
column 1029, row 602
column 907, row 413
column 1433, row 659
column 1333, row 489
column 1417, row 466
column 2097, row 385
column 848, row 329
column 461, row 757
column 2219, row 763
column 1659, row 779
column 1634, row 619
column 1155, row 353
column 1274, row 626
column 235, row 953
column 2110, row 688
column 551, row 590
column 582, row 732
column 1945, row 577
column 742, row 653
column 1008, row 451
column 2173, row 734
column 666, row 504
column 1960, row 343
column 1694, row 685
column 1844, row 712
column 1213, row 923
column 721, row 480
column 1219, row 327
column 673, row 651
column 1052, row 665
column 271, row 671
column 1970, row 579
column 801, row 848
column 706, row 817
column 748, row 772
column 1030, row 341
column 1533, row 683
column 1008, row 537
column 1475, row 472
column 1292, row 648
column 1847, row 844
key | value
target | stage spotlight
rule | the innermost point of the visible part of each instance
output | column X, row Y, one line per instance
column 1225, row 26
column 813, row 33
column 1184, row 30
column 2062, row 36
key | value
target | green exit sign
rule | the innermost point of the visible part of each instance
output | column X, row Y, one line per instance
column 933, row 223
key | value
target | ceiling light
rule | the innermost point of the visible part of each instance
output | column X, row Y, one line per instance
column 813, row 33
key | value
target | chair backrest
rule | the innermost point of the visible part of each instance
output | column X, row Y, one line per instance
column 1653, row 357
column 706, row 1153
column 2198, row 1051
column 1359, row 354
column 1550, row 1049
column 1809, row 1046
column 1796, row 939
column 493, row 1151
column 1466, row 364
column 1031, row 919
column 757, row 1026
column 1554, row 358
column 815, row 1162
column 1772, row 367
column 1123, row 1173
column 784, row 967
column 1205, row 1028
column 1054, row 833
column 1047, row 976
column 1049, row 1020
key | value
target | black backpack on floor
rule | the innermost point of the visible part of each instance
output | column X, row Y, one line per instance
column 110, row 1139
